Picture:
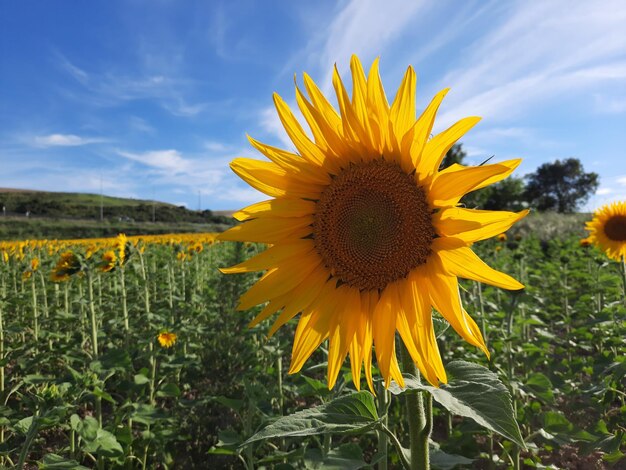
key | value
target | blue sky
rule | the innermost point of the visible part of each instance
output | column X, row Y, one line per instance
column 153, row 98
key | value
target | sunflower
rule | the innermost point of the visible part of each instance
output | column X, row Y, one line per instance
column 365, row 232
column 608, row 229
column 109, row 261
column 121, row 243
column 68, row 265
column 502, row 237
column 585, row 242
column 166, row 339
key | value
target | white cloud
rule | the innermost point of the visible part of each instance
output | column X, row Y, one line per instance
column 604, row 191
column 622, row 180
column 64, row 140
column 170, row 161
column 214, row 146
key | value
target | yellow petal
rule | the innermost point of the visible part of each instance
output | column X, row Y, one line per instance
column 313, row 328
column 402, row 111
column 334, row 142
column 283, row 207
column 444, row 295
column 359, row 98
column 274, row 181
column 292, row 162
column 301, row 298
column 307, row 149
column 278, row 281
column 273, row 257
column 463, row 262
column 268, row 230
column 471, row 225
column 384, row 328
column 378, row 106
column 415, row 140
column 352, row 127
column 451, row 184
column 342, row 329
column 322, row 104
column 437, row 147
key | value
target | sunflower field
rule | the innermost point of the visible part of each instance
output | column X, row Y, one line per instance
column 410, row 329
column 129, row 353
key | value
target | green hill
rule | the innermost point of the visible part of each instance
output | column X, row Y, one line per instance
column 40, row 214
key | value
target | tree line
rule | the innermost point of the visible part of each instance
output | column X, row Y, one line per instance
column 558, row 186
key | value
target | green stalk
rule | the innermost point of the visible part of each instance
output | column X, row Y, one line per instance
column 2, row 366
column 383, row 442
column 624, row 277
column 515, row 454
column 94, row 341
column 33, row 290
column 46, row 308
column 152, row 384
column 124, row 300
column 92, row 314
column 419, row 416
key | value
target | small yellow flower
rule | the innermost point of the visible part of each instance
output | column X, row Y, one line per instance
column 5, row 256
column 90, row 251
column 181, row 256
column 498, row 248
column 26, row 275
column 67, row 265
column 196, row 248
column 34, row 264
column 585, row 243
column 502, row 237
column 166, row 339
column 109, row 260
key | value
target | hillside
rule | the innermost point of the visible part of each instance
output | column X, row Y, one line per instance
column 60, row 215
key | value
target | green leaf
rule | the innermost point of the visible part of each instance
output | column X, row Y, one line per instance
column 353, row 413
column 105, row 444
column 473, row 391
column 141, row 379
column 54, row 461
column 540, row 386
column 169, row 390
column 346, row 457
column 88, row 428
column 441, row 460
column 23, row 425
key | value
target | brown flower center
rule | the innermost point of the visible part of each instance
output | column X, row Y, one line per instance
column 373, row 225
column 615, row 228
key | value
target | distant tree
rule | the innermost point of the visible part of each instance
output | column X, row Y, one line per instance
column 561, row 186
column 506, row 195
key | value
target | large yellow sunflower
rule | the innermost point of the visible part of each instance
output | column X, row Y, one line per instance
column 366, row 234
column 608, row 230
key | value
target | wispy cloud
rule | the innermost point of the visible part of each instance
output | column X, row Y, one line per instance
column 64, row 140
column 540, row 51
column 170, row 161
column 109, row 89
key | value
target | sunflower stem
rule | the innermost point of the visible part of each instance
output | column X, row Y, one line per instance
column 623, row 263
column 419, row 416
column 383, row 404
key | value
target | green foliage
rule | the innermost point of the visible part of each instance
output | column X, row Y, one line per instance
column 561, row 186
column 473, row 391
column 556, row 347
